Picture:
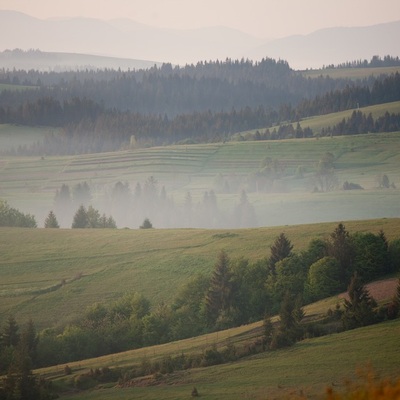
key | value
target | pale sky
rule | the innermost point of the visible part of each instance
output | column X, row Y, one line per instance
column 263, row 18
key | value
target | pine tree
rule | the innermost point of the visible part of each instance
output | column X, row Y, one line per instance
column 146, row 224
column 51, row 221
column 340, row 247
column 10, row 336
column 219, row 295
column 359, row 307
column 281, row 248
column 80, row 218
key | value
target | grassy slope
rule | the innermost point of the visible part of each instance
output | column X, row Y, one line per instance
column 351, row 73
column 13, row 136
column 113, row 262
column 30, row 183
column 308, row 367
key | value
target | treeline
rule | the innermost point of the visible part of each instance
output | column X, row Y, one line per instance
column 214, row 85
column 238, row 292
column 12, row 217
column 109, row 110
column 375, row 62
column 353, row 96
column 361, row 123
column 130, row 206
column 87, row 127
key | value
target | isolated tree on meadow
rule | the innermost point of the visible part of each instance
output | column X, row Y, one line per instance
column 325, row 175
column 51, row 221
column 146, row 224
column 280, row 249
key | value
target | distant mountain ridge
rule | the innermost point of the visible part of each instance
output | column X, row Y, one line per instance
column 59, row 62
column 124, row 38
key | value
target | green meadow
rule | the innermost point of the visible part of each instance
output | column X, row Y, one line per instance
column 350, row 73
column 53, row 275
column 30, row 183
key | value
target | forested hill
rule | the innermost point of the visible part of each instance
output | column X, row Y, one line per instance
column 169, row 90
column 105, row 110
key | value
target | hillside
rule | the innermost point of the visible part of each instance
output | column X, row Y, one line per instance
column 30, row 183
column 102, row 265
column 305, row 369
column 57, row 61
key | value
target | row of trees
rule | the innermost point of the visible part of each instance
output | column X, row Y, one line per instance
column 130, row 206
column 361, row 123
column 237, row 292
column 18, row 355
column 174, row 90
column 88, row 126
column 375, row 62
column 10, row 216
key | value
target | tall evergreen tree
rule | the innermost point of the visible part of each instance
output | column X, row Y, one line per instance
column 10, row 335
column 51, row 221
column 281, row 248
column 359, row 307
column 340, row 246
column 219, row 295
column 80, row 218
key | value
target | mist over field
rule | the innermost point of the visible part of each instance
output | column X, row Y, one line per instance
column 231, row 185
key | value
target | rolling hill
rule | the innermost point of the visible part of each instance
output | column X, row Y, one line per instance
column 101, row 265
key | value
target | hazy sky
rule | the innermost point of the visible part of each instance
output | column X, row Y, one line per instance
column 264, row 18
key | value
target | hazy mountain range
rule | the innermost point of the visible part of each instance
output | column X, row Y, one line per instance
column 123, row 38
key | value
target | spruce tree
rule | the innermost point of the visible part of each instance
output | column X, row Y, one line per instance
column 281, row 248
column 219, row 295
column 80, row 218
column 51, row 221
column 10, row 335
column 146, row 224
column 340, row 246
column 359, row 307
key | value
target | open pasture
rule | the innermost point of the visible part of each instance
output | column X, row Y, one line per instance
column 55, row 274
column 350, row 73
column 13, row 136
column 30, row 183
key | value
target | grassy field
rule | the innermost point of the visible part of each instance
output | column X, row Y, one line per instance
column 350, row 73
column 329, row 120
column 30, row 183
column 102, row 265
column 13, row 136
column 305, row 369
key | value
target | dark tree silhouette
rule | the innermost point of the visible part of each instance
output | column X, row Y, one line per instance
column 340, row 246
column 51, row 221
column 80, row 218
column 146, row 224
column 219, row 295
column 280, row 249
column 359, row 307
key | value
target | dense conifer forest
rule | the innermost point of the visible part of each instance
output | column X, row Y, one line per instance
column 106, row 110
